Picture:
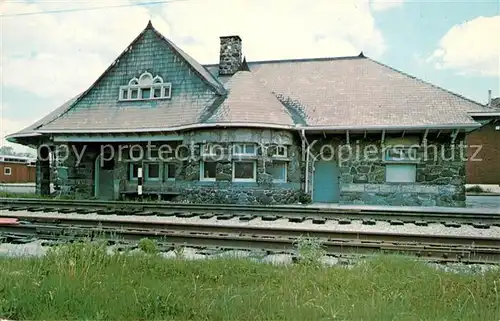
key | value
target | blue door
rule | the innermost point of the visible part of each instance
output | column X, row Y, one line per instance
column 326, row 182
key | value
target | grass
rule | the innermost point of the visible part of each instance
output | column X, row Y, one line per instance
column 82, row 282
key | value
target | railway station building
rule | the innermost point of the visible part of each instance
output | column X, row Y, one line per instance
column 346, row 130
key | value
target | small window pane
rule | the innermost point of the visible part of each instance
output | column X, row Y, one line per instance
column 145, row 93
column 153, row 170
column 170, row 170
column 134, row 170
column 133, row 93
column 166, row 92
column 209, row 169
column 243, row 170
column 280, row 151
column 157, row 93
column 249, row 149
column 125, row 94
column 401, row 173
column 277, row 171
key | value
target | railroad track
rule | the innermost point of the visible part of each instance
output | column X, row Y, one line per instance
column 430, row 247
column 425, row 215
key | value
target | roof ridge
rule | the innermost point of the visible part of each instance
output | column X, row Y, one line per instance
column 427, row 83
column 360, row 56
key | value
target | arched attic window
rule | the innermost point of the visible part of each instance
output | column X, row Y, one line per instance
column 145, row 88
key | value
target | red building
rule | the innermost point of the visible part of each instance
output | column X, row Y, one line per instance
column 483, row 166
column 16, row 169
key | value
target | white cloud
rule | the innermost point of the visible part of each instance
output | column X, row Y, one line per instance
column 470, row 48
column 382, row 5
column 277, row 29
column 59, row 55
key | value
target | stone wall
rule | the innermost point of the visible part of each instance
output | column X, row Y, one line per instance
column 440, row 173
column 79, row 180
column 223, row 189
column 440, row 178
column 42, row 175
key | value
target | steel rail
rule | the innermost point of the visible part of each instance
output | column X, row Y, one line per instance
column 138, row 208
column 252, row 242
column 292, row 231
column 454, row 248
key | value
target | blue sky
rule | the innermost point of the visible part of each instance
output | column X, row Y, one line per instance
column 49, row 58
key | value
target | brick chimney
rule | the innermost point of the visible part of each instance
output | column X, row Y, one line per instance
column 230, row 55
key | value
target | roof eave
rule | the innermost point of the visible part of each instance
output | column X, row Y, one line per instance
column 178, row 128
column 393, row 127
column 484, row 114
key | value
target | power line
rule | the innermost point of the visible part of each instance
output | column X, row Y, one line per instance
column 89, row 9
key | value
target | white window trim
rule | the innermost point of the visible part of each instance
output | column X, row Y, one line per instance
column 404, row 159
column 202, row 174
column 134, row 83
column 238, row 151
column 286, row 174
column 165, row 173
column 277, row 154
column 254, row 179
column 7, row 173
column 412, row 181
column 146, row 170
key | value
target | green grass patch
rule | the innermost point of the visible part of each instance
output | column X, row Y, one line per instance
column 82, row 282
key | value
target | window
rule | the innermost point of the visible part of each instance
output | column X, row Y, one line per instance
column 244, row 171
column 401, row 173
column 7, row 171
column 400, row 153
column 169, row 172
column 208, row 171
column 280, row 151
column 244, row 150
column 133, row 171
column 145, row 88
column 153, row 171
column 278, row 171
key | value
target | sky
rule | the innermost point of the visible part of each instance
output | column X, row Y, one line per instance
column 51, row 51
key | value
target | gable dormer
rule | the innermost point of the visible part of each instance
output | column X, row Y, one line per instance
column 145, row 87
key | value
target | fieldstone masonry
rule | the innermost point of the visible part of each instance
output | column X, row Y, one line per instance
column 42, row 186
column 440, row 176
column 230, row 55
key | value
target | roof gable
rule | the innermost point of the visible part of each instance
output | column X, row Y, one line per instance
column 192, row 89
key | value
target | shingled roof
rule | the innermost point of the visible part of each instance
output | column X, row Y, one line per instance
column 249, row 101
column 344, row 93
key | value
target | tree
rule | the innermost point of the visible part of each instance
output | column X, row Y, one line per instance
column 7, row 150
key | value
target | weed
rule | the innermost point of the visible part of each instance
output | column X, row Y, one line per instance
column 148, row 246
column 310, row 251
